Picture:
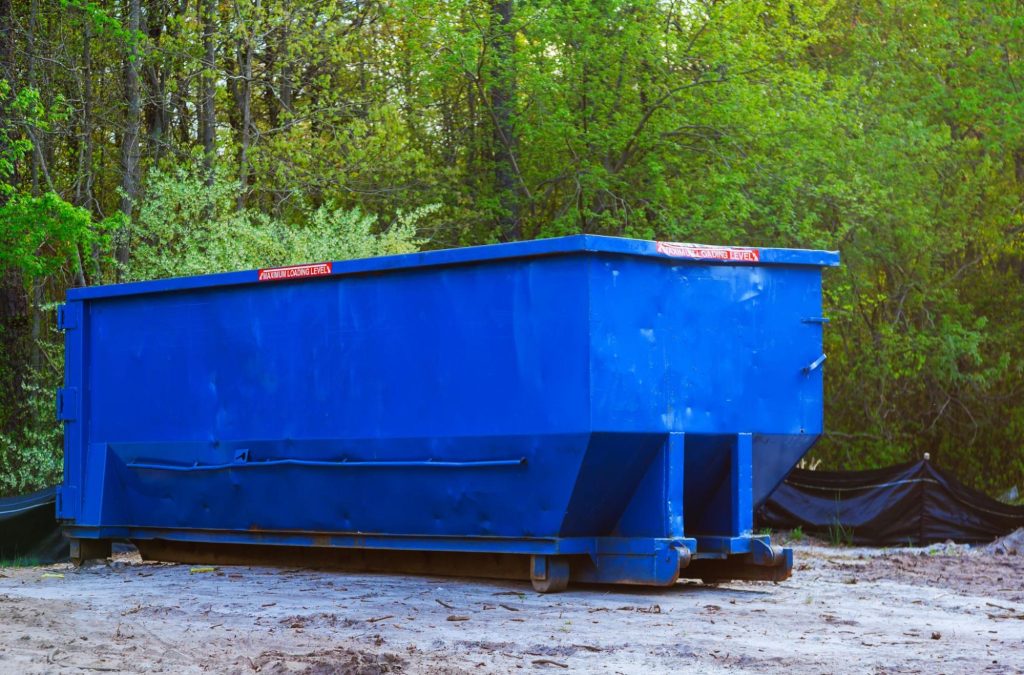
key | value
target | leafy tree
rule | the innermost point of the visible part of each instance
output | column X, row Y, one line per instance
column 234, row 134
column 41, row 237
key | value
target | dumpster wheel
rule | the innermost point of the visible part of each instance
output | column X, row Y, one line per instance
column 549, row 574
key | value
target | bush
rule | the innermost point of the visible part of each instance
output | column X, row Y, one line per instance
column 185, row 227
column 31, row 460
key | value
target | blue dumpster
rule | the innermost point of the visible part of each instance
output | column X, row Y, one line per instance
column 592, row 408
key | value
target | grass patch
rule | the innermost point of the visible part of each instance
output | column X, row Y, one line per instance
column 19, row 561
column 839, row 534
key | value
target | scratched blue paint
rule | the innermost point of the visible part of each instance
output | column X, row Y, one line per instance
column 580, row 395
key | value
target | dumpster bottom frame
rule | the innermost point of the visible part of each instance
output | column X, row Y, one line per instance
column 550, row 563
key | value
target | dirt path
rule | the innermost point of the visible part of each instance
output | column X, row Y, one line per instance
column 845, row 610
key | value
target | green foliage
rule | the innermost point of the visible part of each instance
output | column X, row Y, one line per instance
column 19, row 561
column 102, row 20
column 43, row 234
column 39, row 234
column 30, row 456
column 185, row 227
column 42, row 237
column 889, row 131
column 21, row 107
column 924, row 346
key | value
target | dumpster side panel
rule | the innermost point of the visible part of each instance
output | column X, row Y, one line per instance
column 509, row 486
column 472, row 350
column 705, row 348
column 449, row 401
column 709, row 349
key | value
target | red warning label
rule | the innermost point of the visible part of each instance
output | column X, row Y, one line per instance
column 702, row 252
column 295, row 272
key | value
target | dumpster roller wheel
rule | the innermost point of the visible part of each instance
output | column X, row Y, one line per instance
column 549, row 574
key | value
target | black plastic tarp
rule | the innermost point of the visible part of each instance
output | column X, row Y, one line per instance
column 29, row 532
column 915, row 503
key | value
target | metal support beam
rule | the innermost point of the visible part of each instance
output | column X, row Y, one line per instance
column 742, row 486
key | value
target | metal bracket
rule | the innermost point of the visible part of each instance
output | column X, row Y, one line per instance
column 539, row 567
column 67, row 317
column 763, row 553
column 684, row 554
column 808, row 369
column 67, row 506
column 67, row 404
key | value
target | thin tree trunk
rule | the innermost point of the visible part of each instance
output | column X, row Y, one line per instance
column 130, row 141
column 6, row 74
column 270, row 102
column 247, row 74
column 6, row 45
column 179, row 101
column 285, row 94
column 83, row 186
column 37, row 156
column 36, row 284
column 156, row 113
column 83, row 183
column 208, row 119
column 247, row 56
column 503, row 87
column 287, row 72
column 471, row 130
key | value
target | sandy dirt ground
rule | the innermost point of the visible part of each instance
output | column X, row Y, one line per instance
column 944, row 609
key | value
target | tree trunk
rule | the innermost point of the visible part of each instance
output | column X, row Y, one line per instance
column 130, row 139
column 207, row 117
column 156, row 113
column 7, row 74
column 36, row 284
column 6, row 45
column 37, row 151
column 83, row 183
column 83, row 186
column 269, row 97
column 287, row 73
column 503, row 89
column 246, row 140
column 285, row 91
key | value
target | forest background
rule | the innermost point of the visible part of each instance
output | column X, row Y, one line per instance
column 149, row 138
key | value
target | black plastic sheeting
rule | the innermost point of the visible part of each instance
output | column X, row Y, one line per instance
column 909, row 504
column 29, row 532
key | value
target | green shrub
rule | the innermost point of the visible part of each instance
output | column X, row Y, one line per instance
column 185, row 227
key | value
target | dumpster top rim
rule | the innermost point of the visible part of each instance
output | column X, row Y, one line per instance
column 680, row 253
